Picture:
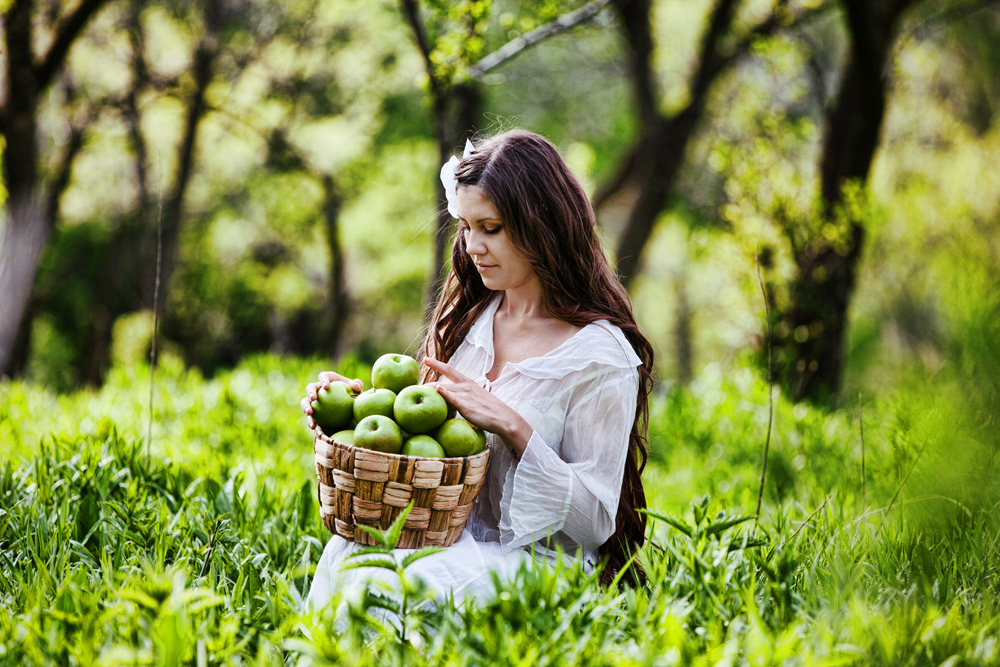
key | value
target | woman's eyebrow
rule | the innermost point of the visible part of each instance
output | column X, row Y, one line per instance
column 480, row 220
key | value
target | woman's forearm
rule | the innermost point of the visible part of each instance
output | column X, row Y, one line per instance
column 515, row 433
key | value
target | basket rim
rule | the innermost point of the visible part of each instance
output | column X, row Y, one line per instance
column 326, row 438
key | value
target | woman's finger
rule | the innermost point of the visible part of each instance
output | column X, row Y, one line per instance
column 446, row 370
column 326, row 378
column 306, row 405
column 453, row 394
column 310, row 423
column 476, row 404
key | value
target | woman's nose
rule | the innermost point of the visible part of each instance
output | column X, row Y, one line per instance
column 474, row 244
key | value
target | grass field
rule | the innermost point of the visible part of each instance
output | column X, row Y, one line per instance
column 199, row 550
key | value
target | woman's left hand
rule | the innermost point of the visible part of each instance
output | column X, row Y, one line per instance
column 480, row 406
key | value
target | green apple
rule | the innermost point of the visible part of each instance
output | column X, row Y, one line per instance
column 395, row 372
column 423, row 445
column 333, row 408
column 420, row 409
column 378, row 432
column 374, row 402
column 345, row 437
column 460, row 437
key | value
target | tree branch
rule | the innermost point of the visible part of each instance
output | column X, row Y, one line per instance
column 655, row 125
column 866, row 45
column 634, row 16
column 774, row 23
column 948, row 15
column 621, row 177
column 66, row 34
column 719, row 21
column 62, row 174
column 524, row 42
column 636, row 24
column 786, row 224
column 412, row 13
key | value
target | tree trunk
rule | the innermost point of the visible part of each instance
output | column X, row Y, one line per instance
column 25, row 233
column 683, row 347
column 22, row 343
column 337, row 306
column 456, row 112
column 442, row 219
column 99, row 356
column 817, row 319
column 145, row 230
column 21, row 245
column 173, row 214
column 26, row 229
column 661, row 158
column 456, row 107
column 656, row 158
column 826, row 269
column 652, row 164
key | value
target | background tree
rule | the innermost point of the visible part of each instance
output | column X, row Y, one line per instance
column 309, row 179
column 827, row 259
column 652, row 163
column 825, row 232
column 27, row 224
column 110, row 260
column 314, row 98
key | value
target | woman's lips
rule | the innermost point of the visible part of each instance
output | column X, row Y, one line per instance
column 485, row 267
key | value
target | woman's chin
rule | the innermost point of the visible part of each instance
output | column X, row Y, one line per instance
column 491, row 283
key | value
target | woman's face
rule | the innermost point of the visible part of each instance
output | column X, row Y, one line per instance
column 500, row 264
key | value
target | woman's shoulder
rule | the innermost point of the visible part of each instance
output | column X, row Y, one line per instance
column 605, row 344
column 599, row 347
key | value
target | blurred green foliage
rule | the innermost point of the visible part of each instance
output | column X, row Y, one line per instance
column 311, row 91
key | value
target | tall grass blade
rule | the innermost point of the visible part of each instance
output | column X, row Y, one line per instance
column 156, row 306
column 770, row 392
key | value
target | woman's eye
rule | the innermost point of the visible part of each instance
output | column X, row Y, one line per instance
column 465, row 229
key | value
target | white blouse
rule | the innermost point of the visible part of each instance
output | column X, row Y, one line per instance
column 580, row 400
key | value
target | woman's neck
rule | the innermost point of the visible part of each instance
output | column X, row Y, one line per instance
column 524, row 302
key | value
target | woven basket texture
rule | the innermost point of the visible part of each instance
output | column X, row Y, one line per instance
column 360, row 486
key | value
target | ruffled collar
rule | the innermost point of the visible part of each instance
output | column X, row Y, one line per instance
column 599, row 343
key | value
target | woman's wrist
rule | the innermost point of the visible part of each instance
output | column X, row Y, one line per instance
column 516, row 434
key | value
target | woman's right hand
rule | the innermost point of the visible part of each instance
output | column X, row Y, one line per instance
column 325, row 378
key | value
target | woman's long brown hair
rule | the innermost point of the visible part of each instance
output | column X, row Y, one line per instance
column 548, row 217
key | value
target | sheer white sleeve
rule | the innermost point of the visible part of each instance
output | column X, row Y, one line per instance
column 573, row 486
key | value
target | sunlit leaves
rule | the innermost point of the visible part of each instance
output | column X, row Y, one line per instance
column 456, row 31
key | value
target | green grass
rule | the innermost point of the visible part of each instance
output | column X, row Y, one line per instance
column 203, row 554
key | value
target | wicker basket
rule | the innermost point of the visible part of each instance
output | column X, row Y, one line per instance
column 366, row 487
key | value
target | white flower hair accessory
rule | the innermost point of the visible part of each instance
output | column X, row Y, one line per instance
column 449, row 180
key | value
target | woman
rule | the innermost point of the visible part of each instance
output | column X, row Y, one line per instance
column 534, row 340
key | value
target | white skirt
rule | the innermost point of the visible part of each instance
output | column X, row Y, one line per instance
column 464, row 570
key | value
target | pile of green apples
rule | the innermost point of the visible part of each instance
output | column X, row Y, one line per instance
column 397, row 415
